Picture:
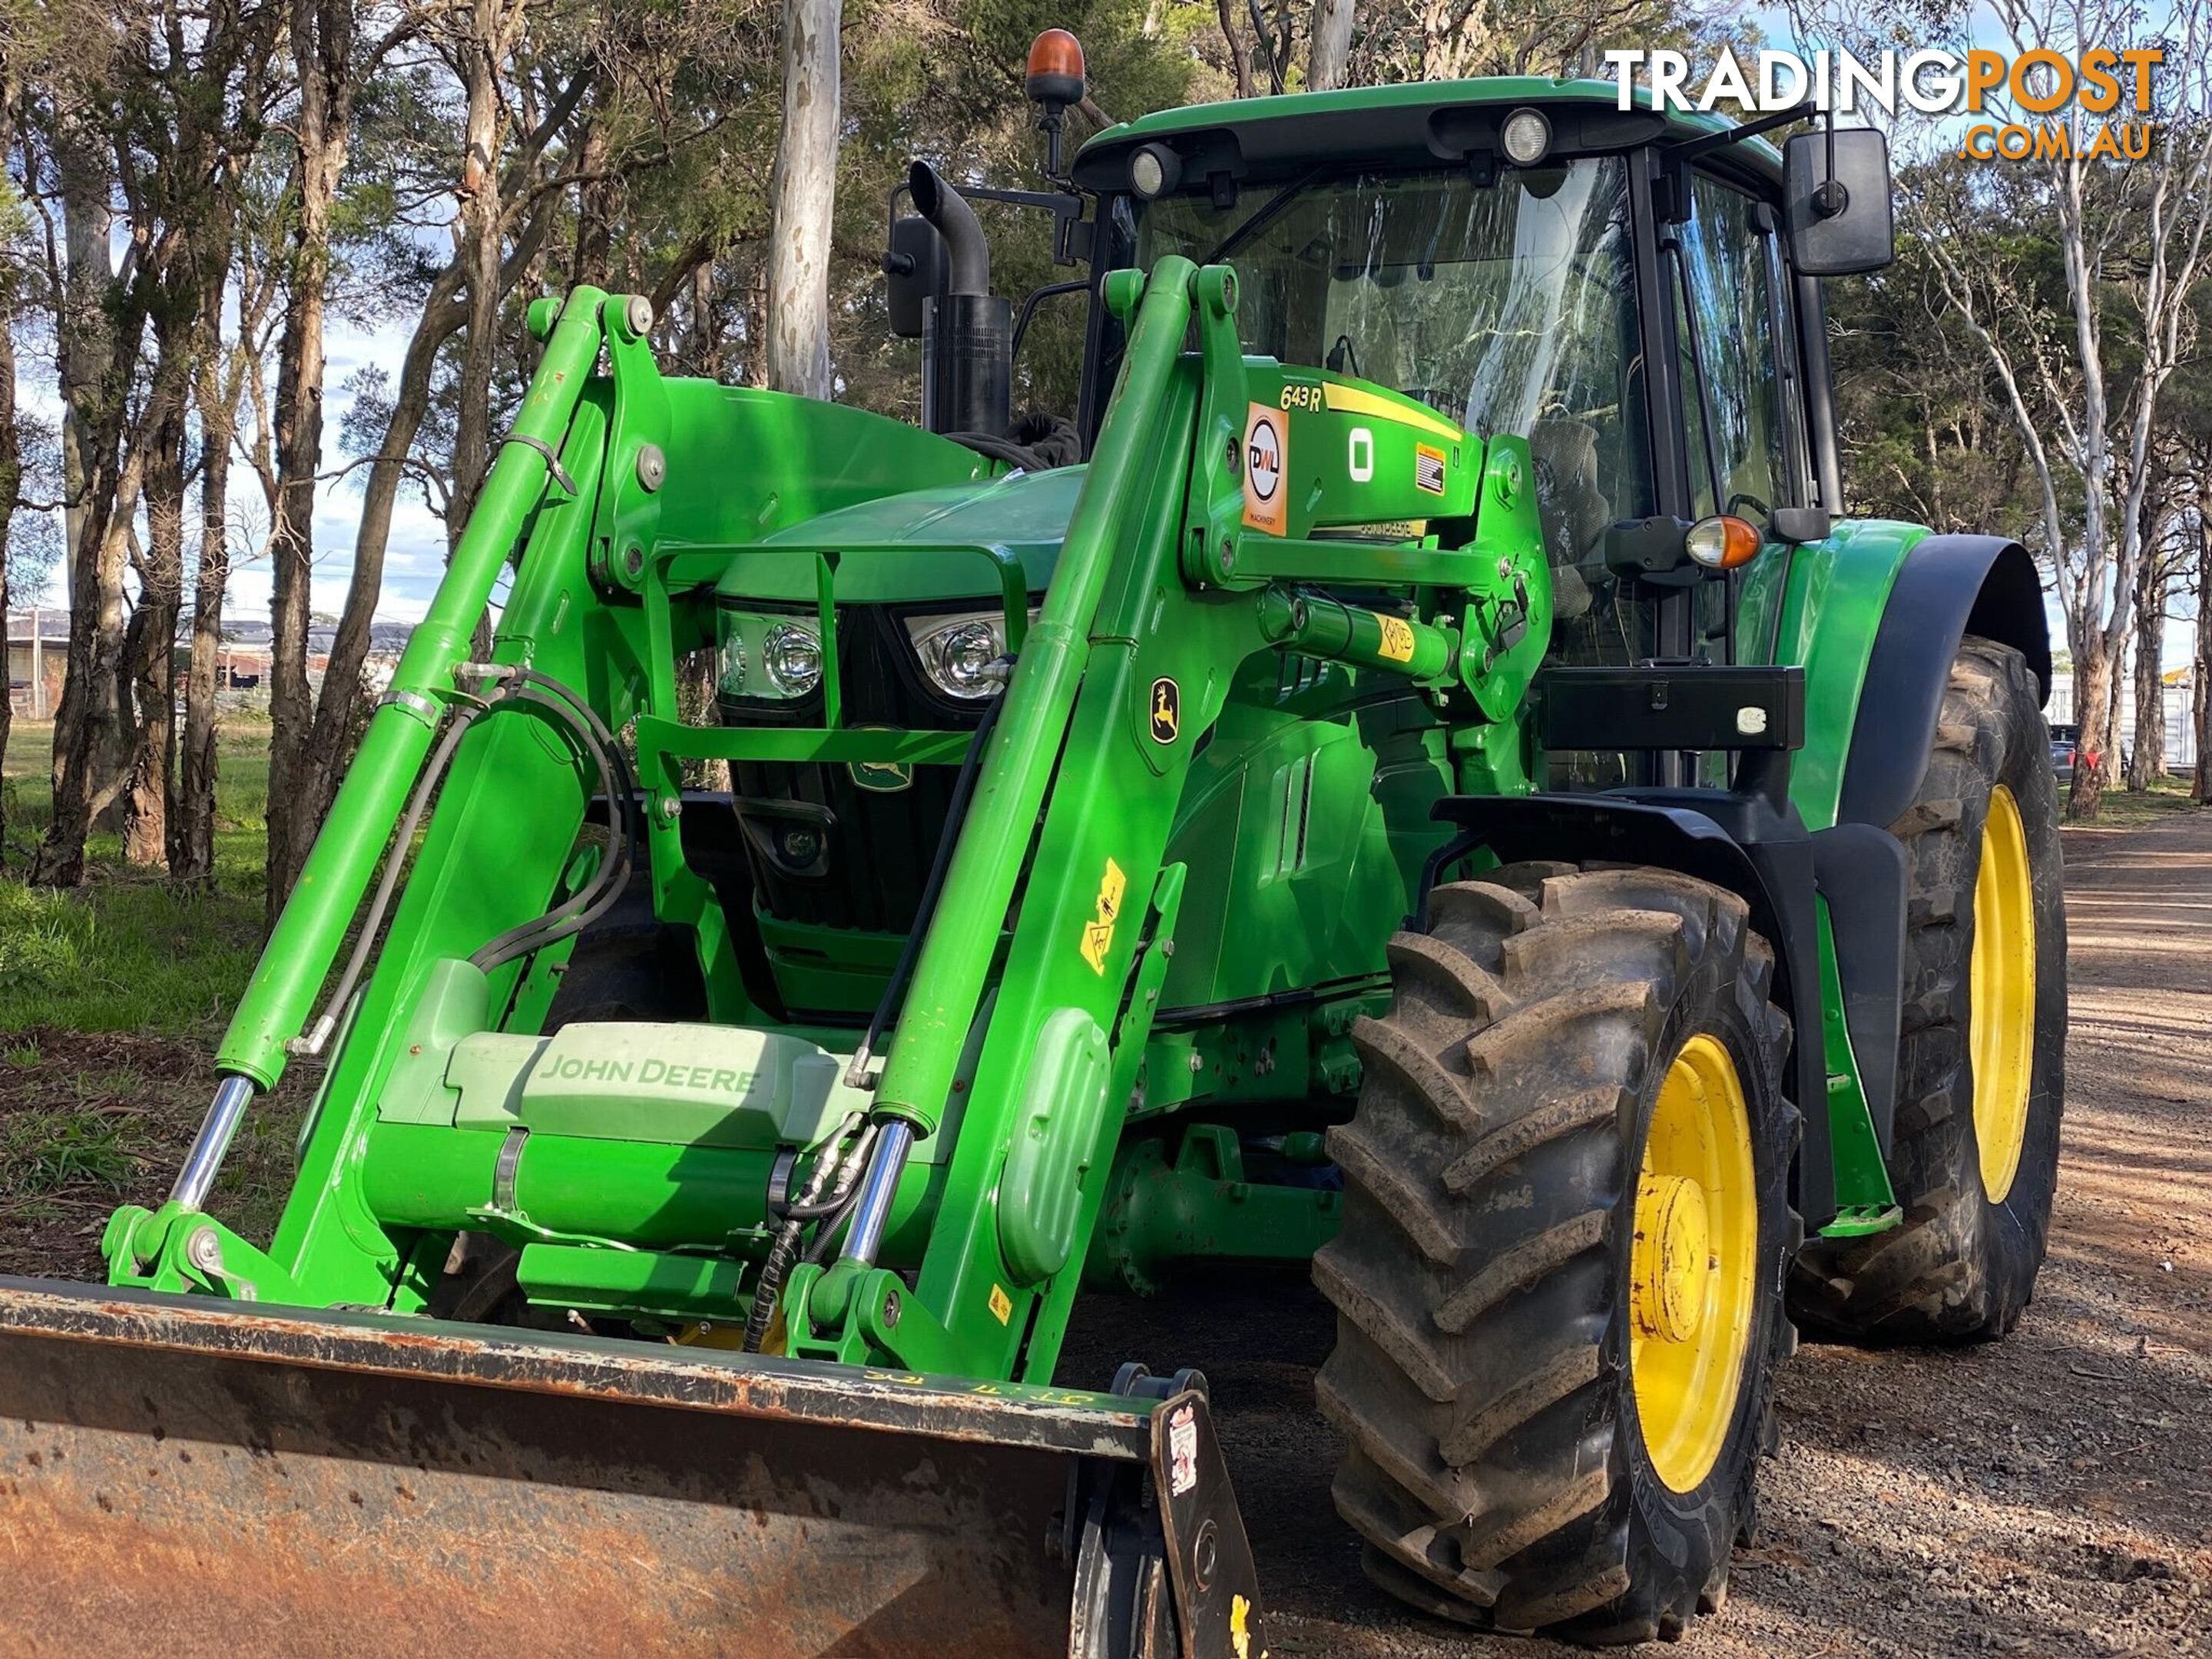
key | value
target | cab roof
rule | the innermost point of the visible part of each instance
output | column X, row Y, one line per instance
column 1419, row 124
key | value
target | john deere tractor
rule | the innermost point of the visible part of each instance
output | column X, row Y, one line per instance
column 1409, row 770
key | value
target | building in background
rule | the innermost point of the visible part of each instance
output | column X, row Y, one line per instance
column 2179, row 691
column 38, row 651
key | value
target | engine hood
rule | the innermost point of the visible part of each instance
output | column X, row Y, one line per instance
column 918, row 546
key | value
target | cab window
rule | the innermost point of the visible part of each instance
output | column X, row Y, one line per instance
column 1724, row 325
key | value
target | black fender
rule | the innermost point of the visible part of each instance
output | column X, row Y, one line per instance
column 1950, row 586
column 1738, row 841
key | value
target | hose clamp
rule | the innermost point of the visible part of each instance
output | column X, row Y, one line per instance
column 778, row 1183
column 502, row 1174
column 560, row 473
column 425, row 707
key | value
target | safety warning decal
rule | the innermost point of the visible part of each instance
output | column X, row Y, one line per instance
column 1002, row 1305
column 1397, row 640
column 1098, row 933
column 1182, row 1450
column 1428, row 468
column 1266, row 466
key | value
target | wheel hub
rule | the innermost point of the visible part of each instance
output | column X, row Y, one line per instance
column 1693, row 1292
column 1674, row 1257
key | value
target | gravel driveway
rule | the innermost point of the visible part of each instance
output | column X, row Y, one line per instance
column 2049, row 1495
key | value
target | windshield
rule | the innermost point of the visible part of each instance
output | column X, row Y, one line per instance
column 1510, row 308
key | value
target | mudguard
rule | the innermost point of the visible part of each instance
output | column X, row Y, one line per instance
column 1949, row 587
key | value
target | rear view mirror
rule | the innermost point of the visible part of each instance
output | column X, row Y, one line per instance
column 1835, row 201
column 915, row 271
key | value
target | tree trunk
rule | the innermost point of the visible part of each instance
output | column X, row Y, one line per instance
column 2093, row 678
column 149, row 671
column 335, row 714
column 191, row 812
column 89, row 780
column 805, row 193
column 2148, row 761
column 478, row 258
column 1240, row 61
column 701, row 344
column 2201, row 671
column 322, row 50
column 97, row 353
column 1329, row 57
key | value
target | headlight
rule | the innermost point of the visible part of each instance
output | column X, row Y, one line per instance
column 729, row 672
column 956, row 652
column 792, row 657
column 1527, row 138
column 767, row 659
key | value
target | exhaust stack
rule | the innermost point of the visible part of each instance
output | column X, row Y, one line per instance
column 967, row 340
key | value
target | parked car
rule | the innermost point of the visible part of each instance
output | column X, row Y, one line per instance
column 2065, row 740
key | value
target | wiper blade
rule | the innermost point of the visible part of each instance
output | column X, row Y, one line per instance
column 1269, row 211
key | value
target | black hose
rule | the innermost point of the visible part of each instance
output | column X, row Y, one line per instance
column 619, row 787
column 600, row 893
column 839, row 1162
column 372, row 922
column 963, row 787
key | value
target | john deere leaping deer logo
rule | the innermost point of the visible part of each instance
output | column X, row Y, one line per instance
column 1167, row 710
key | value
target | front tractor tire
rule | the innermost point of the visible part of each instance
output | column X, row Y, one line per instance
column 1558, row 1278
column 1981, row 1064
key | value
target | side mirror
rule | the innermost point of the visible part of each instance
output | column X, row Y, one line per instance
column 1835, row 201
column 916, row 270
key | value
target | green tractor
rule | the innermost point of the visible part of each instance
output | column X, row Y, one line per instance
column 1411, row 771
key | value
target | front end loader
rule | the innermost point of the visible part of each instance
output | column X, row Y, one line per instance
column 1412, row 772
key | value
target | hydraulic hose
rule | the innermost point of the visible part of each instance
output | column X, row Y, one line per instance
column 844, row 1168
column 577, row 912
column 856, row 1074
column 605, row 888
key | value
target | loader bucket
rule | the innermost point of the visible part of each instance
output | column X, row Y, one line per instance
column 214, row 1479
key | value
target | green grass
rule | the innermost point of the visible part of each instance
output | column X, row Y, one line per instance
column 126, row 951
column 44, row 1152
column 2121, row 809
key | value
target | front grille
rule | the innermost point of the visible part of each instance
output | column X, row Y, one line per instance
column 822, row 849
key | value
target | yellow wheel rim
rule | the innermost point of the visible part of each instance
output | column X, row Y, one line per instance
column 1692, row 1274
column 2001, row 1037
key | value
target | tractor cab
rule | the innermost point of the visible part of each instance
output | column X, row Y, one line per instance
column 1635, row 293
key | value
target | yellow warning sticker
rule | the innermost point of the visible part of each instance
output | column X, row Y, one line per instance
column 1098, row 933
column 1397, row 640
column 1002, row 1305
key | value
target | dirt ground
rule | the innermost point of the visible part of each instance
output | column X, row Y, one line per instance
column 2050, row 1495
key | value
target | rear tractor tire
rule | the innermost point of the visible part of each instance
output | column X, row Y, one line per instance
column 1558, row 1280
column 1981, row 1065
